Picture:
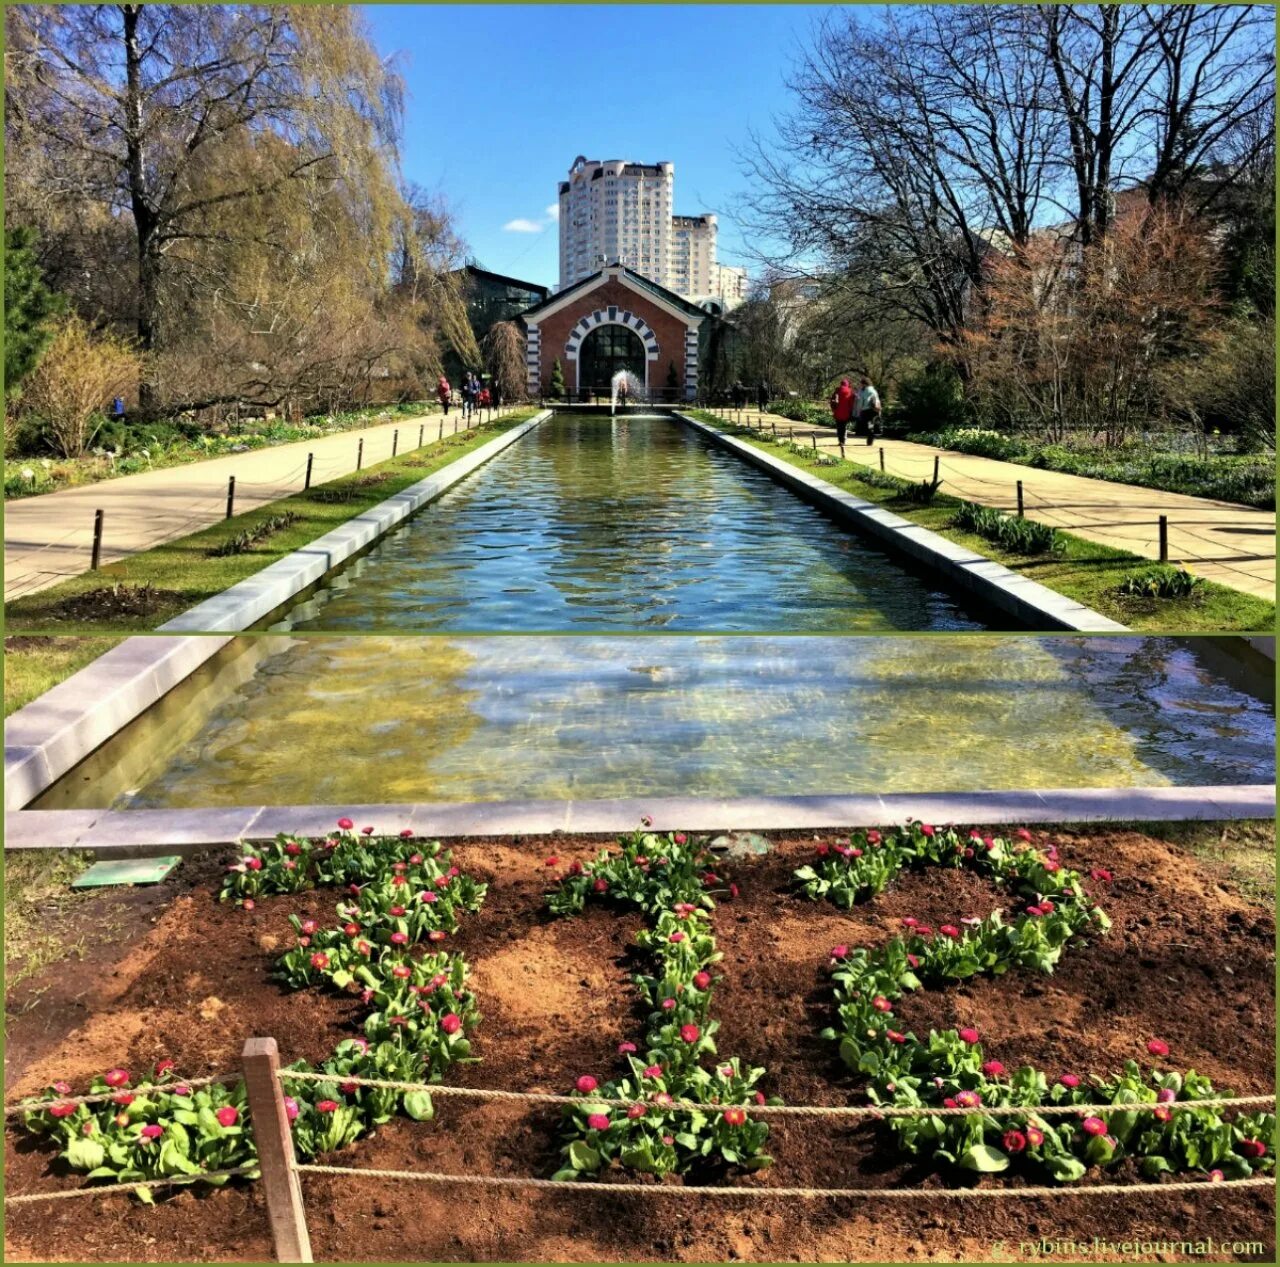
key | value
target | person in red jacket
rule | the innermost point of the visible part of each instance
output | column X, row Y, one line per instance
column 842, row 410
column 445, row 392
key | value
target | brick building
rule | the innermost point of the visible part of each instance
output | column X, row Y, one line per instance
column 612, row 320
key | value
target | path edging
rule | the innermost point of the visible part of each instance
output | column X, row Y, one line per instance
column 139, row 833
column 1035, row 605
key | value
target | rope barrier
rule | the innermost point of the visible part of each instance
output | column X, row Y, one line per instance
column 110, row 1189
column 28, row 1106
column 876, row 1112
column 892, row 1194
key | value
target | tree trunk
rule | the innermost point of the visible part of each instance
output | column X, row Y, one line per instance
column 146, row 221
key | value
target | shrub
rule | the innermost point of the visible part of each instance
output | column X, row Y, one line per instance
column 1160, row 582
column 79, row 373
column 244, row 541
column 1022, row 536
column 933, row 397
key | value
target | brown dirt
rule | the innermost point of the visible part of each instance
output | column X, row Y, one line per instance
column 1189, row 960
column 113, row 601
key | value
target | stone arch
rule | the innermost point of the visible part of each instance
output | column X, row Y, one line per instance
column 612, row 315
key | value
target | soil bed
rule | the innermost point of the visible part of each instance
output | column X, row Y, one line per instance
column 1189, row 959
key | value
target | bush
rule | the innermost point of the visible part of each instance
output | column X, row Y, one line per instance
column 1160, row 582
column 933, row 397
column 1021, row 536
column 79, row 373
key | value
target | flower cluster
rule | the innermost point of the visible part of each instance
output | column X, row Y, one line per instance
column 400, row 895
column 952, row 1069
column 669, row 877
column 169, row 1131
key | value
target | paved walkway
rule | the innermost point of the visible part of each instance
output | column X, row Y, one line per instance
column 1221, row 541
column 49, row 538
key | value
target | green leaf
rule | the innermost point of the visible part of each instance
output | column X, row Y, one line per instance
column 417, row 1104
column 85, row 1154
column 341, row 978
column 984, row 1159
column 1065, row 1168
column 1153, row 1166
column 582, row 1156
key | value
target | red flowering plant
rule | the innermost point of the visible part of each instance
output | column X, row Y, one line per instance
column 952, row 1069
column 669, row 877
column 650, row 871
column 421, row 1020
column 170, row 1131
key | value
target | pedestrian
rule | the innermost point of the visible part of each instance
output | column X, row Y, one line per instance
column 445, row 393
column 117, row 408
column 868, row 408
column 763, row 396
column 841, row 403
column 468, row 395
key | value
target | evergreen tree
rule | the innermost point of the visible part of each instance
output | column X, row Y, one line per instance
column 557, row 378
column 673, row 380
column 29, row 306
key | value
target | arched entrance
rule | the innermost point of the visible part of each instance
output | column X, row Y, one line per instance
column 606, row 350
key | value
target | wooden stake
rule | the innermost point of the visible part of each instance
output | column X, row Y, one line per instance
column 274, row 1140
column 97, row 540
column 1164, row 538
column 231, row 496
column 306, row 483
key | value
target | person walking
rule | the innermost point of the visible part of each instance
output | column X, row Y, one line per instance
column 842, row 402
column 445, row 393
column 763, row 396
column 868, row 408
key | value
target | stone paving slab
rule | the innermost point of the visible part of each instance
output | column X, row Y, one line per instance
column 48, row 538
column 124, row 833
column 1029, row 602
column 1231, row 544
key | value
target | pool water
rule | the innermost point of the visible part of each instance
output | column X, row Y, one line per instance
column 344, row 720
column 629, row 524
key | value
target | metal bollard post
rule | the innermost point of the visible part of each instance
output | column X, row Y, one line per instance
column 97, row 540
column 1164, row 538
column 882, row 457
column 1021, row 508
column 360, row 453
column 231, row 496
column 937, row 459
column 395, row 441
column 440, row 433
column 422, row 430
column 813, row 435
column 306, row 483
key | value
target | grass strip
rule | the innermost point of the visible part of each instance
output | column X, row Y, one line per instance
column 1090, row 573
column 143, row 591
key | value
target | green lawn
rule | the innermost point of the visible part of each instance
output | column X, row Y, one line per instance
column 145, row 590
column 33, row 665
column 1084, row 570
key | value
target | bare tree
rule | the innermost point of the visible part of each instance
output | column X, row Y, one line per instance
column 133, row 102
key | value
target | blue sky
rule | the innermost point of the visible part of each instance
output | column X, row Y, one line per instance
column 501, row 98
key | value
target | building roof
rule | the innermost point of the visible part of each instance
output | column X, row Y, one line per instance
column 637, row 280
column 502, row 279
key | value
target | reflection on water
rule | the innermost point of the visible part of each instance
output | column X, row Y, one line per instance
column 345, row 720
column 624, row 524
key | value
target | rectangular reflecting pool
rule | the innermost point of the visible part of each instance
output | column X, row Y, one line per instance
column 322, row 719
column 626, row 524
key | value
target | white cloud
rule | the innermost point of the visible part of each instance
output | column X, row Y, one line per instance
column 553, row 211
column 522, row 226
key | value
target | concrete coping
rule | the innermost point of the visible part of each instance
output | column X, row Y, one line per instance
column 134, row 833
column 1034, row 605
column 244, row 604
column 51, row 735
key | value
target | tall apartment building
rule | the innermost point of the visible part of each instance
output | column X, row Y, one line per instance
column 731, row 285
column 615, row 211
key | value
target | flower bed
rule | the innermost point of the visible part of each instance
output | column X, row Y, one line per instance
column 950, row 1068
column 670, row 878
column 1186, row 959
column 402, row 895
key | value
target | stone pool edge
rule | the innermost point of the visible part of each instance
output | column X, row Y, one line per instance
column 141, row 833
column 1036, row 606
column 55, row 732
